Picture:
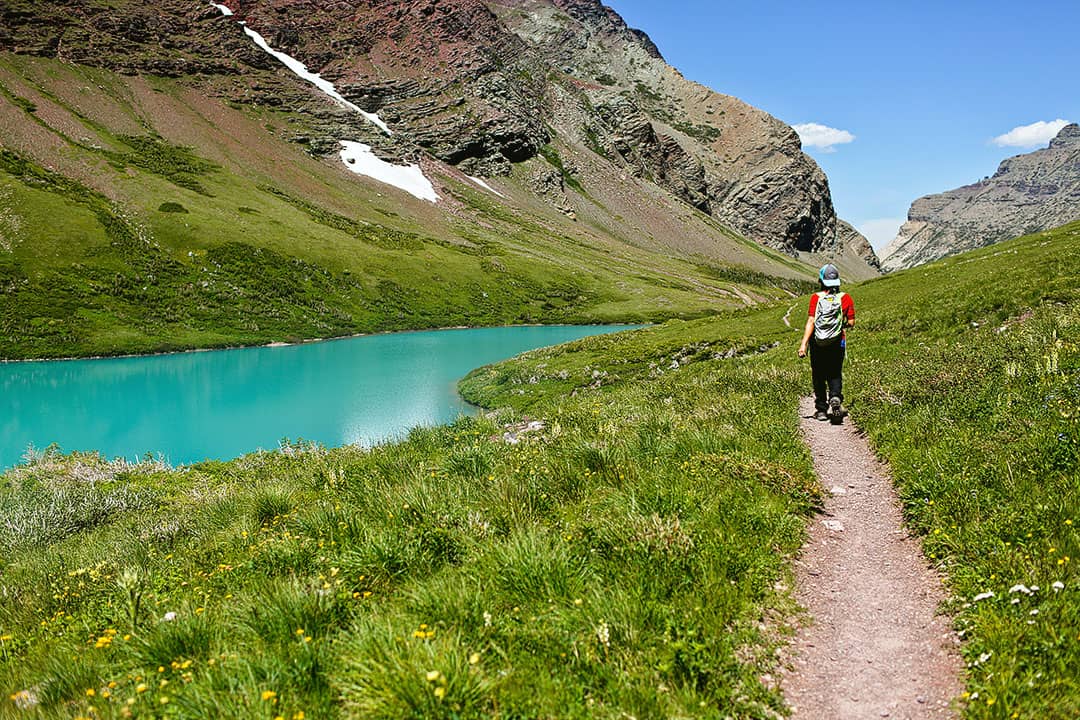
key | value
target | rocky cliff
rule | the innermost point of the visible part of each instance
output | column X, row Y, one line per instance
column 1028, row 193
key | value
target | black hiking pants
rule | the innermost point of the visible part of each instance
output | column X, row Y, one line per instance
column 826, row 367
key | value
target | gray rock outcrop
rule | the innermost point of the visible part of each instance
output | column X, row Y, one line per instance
column 1028, row 193
column 850, row 240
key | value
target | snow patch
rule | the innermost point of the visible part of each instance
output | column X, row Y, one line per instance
column 224, row 10
column 301, row 71
column 410, row 178
column 484, row 185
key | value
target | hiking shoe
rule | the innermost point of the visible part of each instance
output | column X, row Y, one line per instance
column 836, row 409
column 820, row 415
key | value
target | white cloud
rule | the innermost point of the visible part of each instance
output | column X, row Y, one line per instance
column 1037, row 133
column 880, row 231
column 822, row 137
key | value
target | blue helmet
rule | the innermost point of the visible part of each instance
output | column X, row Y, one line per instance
column 829, row 276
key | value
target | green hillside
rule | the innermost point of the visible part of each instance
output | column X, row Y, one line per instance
column 118, row 236
column 621, row 561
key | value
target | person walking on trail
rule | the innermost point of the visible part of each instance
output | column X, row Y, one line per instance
column 831, row 313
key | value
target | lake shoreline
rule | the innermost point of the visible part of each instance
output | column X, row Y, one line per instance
column 305, row 341
column 188, row 407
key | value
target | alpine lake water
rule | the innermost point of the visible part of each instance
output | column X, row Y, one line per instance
column 188, row 407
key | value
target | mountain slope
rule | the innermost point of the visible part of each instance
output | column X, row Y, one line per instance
column 1028, row 193
column 171, row 183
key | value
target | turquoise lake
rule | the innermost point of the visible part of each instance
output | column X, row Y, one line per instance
column 193, row 406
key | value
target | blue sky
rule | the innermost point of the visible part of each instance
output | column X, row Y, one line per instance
column 924, row 87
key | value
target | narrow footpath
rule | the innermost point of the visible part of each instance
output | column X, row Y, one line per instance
column 873, row 644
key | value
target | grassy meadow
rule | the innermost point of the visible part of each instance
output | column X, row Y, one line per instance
column 618, row 562
column 630, row 558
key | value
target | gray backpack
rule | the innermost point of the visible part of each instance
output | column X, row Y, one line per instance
column 828, row 318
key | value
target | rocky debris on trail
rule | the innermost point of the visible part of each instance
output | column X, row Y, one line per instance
column 1028, row 193
column 513, row 433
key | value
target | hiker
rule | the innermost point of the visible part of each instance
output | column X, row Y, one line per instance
column 831, row 311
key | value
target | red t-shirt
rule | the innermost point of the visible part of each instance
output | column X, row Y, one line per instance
column 847, row 307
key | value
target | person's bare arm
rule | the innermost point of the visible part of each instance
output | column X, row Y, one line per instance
column 806, row 335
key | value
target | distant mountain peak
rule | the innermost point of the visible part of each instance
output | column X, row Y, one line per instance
column 594, row 11
column 1069, row 135
column 1029, row 193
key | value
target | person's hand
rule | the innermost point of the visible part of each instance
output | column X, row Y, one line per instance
column 802, row 351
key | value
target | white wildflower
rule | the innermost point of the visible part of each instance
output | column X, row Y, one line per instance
column 25, row 699
column 603, row 634
column 169, row 616
column 1020, row 588
column 983, row 596
column 1058, row 586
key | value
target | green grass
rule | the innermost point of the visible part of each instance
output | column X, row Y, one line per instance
column 114, row 284
column 618, row 562
column 975, row 401
column 966, row 376
column 179, row 165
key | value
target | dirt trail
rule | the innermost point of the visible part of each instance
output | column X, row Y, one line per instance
column 874, row 645
column 788, row 315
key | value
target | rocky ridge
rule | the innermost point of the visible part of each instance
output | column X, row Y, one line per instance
column 480, row 86
column 1028, row 193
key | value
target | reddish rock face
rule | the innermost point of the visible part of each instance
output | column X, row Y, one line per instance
column 479, row 85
